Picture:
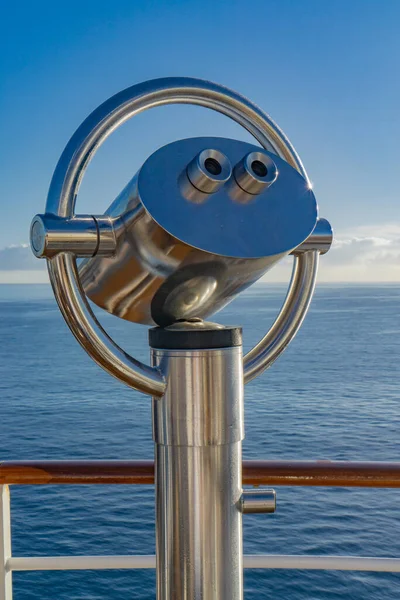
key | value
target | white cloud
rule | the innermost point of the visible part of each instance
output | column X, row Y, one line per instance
column 18, row 265
column 19, row 257
column 24, row 276
column 364, row 254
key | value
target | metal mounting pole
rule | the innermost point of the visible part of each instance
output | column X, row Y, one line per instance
column 198, row 432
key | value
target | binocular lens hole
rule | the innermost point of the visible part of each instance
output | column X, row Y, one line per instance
column 259, row 168
column 212, row 166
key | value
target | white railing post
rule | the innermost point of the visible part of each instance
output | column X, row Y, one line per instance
column 5, row 544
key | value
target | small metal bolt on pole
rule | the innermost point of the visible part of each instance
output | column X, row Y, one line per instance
column 201, row 221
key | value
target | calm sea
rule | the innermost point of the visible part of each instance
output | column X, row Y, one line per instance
column 334, row 394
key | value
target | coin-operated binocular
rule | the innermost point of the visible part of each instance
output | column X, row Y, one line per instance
column 202, row 220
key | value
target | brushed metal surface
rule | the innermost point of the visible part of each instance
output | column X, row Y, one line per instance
column 203, row 401
column 199, row 522
column 258, row 501
column 83, row 235
column 198, row 430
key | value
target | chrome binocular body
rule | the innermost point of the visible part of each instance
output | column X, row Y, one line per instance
column 202, row 220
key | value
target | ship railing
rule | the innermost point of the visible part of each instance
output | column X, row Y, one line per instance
column 255, row 473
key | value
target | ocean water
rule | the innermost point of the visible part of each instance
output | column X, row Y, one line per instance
column 334, row 394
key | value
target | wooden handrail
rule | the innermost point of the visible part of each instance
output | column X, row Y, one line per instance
column 255, row 472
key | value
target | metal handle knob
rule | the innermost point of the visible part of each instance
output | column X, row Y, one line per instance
column 85, row 235
column 61, row 203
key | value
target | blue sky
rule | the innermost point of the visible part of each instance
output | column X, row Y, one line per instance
column 327, row 72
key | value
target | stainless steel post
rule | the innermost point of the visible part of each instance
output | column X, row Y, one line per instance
column 198, row 432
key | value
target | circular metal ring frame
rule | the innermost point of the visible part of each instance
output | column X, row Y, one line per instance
column 61, row 201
